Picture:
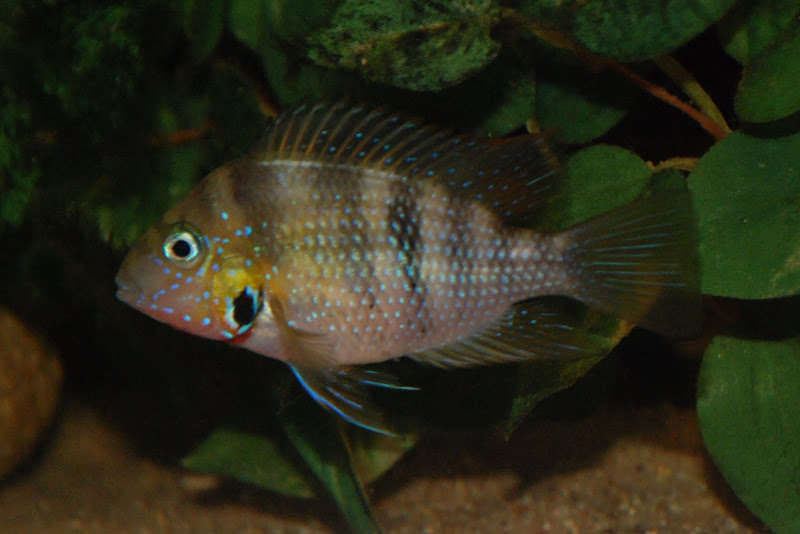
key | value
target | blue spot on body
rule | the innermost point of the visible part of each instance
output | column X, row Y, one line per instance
column 187, row 318
column 215, row 267
column 167, row 310
column 248, row 231
column 206, row 321
column 206, row 295
column 173, row 287
column 166, row 270
column 224, row 215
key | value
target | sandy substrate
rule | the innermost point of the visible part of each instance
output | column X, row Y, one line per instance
column 625, row 470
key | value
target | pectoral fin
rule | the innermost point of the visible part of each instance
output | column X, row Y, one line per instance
column 305, row 349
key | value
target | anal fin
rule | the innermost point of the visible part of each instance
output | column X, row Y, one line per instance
column 539, row 328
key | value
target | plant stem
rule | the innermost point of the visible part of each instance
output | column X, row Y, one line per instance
column 684, row 79
column 709, row 125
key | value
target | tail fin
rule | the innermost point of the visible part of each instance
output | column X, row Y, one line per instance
column 639, row 263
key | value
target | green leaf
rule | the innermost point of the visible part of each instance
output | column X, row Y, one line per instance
column 251, row 458
column 515, row 103
column 597, row 179
column 540, row 379
column 750, row 27
column 319, row 439
column 747, row 196
column 373, row 454
column 637, row 30
column 578, row 105
column 749, row 409
column 768, row 90
column 424, row 46
column 203, row 22
column 276, row 31
column 260, row 23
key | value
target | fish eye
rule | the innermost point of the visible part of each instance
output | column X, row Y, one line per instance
column 182, row 247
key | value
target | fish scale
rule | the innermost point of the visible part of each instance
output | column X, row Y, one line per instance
column 351, row 236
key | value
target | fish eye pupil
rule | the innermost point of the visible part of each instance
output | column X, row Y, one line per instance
column 181, row 248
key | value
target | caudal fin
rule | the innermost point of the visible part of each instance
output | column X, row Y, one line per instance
column 639, row 263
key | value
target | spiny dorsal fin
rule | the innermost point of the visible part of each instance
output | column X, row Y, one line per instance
column 540, row 328
column 511, row 177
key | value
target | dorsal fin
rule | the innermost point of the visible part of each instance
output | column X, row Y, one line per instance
column 511, row 177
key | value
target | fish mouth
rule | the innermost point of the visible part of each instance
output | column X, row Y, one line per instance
column 127, row 291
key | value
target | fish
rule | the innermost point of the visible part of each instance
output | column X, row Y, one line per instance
column 352, row 235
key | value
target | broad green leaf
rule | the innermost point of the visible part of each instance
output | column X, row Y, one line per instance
column 579, row 106
column 249, row 22
column 270, row 22
column 251, row 458
column 372, row 454
column 747, row 196
column 203, row 22
column 750, row 27
column 297, row 81
column 768, row 90
column 636, row 30
column 540, row 379
column 319, row 439
column 423, row 46
column 276, row 31
column 749, row 408
column 515, row 104
column 597, row 179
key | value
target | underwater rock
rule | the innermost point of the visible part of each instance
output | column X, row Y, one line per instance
column 30, row 385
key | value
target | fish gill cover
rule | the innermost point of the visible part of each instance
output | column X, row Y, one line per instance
column 111, row 113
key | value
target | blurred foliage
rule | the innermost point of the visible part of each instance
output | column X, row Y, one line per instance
column 425, row 46
column 110, row 112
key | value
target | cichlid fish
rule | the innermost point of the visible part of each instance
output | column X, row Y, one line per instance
column 353, row 235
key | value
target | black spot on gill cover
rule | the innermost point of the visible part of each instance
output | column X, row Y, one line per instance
column 244, row 309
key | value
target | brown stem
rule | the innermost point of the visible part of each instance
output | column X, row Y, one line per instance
column 717, row 131
column 182, row 136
